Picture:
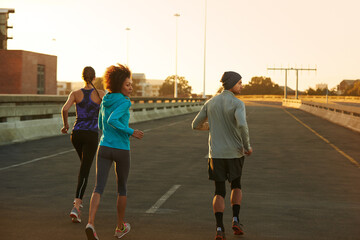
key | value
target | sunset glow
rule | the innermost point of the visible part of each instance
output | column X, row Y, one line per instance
column 243, row 36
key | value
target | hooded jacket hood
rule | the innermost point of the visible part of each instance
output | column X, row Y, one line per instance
column 113, row 99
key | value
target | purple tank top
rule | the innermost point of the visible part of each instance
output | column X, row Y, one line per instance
column 87, row 113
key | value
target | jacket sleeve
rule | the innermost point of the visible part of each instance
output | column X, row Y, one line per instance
column 114, row 119
column 240, row 116
column 100, row 120
column 100, row 126
column 200, row 119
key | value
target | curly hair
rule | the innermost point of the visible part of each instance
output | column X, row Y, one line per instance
column 115, row 76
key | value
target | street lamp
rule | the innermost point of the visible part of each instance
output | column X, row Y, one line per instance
column 176, row 56
column 204, row 95
column 127, row 45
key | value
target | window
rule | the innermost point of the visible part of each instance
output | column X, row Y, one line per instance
column 41, row 79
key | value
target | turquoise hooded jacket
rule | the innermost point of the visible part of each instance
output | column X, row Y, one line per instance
column 114, row 118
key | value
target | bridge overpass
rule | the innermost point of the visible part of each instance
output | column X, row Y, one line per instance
column 302, row 182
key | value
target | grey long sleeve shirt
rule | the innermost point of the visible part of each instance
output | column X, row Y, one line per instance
column 228, row 130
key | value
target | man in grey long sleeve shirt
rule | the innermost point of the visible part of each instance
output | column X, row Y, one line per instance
column 228, row 144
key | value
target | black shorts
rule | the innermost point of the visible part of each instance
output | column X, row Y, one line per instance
column 225, row 169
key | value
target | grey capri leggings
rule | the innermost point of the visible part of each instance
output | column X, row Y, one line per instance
column 105, row 157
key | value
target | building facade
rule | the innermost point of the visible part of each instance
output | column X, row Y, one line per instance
column 145, row 87
column 153, row 87
column 4, row 15
column 24, row 72
column 321, row 86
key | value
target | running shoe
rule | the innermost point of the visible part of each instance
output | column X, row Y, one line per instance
column 238, row 228
column 220, row 235
column 120, row 233
column 75, row 215
column 90, row 232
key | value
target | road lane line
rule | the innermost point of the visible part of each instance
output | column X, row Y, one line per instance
column 36, row 159
column 53, row 155
column 352, row 160
column 163, row 199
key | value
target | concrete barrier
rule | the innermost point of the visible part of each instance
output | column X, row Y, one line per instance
column 27, row 117
column 347, row 116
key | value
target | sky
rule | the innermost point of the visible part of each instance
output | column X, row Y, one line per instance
column 246, row 36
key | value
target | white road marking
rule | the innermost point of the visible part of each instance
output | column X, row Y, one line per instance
column 163, row 199
column 53, row 155
column 36, row 159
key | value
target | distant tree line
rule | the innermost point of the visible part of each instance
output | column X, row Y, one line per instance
column 259, row 86
column 324, row 91
column 167, row 88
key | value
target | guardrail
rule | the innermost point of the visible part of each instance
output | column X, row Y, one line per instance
column 347, row 116
column 25, row 117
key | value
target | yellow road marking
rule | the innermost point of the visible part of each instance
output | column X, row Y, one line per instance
column 325, row 140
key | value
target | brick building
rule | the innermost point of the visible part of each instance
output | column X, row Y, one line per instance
column 24, row 72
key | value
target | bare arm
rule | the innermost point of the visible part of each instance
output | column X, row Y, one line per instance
column 65, row 110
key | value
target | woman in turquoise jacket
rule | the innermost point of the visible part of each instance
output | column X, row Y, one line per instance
column 114, row 145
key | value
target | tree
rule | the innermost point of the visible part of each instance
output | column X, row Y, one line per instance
column 167, row 88
column 261, row 85
column 353, row 90
column 311, row 91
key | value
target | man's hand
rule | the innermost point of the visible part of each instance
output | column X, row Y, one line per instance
column 138, row 134
column 248, row 152
column 65, row 128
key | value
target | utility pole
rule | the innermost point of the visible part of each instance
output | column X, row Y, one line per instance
column 297, row 77
column 127, row 45
column 176, row 57
column 204, row 95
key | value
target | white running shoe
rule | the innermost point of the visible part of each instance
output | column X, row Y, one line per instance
column 75, row 215
column 120, row 233
column 90, row 232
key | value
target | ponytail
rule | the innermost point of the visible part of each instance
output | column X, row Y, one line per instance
column 95, row 89
column 88, row 75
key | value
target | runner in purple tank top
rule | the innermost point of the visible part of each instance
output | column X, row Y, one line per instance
column 84, row 136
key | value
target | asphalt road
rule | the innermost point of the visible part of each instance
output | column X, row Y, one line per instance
column 295, row 185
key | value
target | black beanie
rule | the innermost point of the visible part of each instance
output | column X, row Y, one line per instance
column 229, row 79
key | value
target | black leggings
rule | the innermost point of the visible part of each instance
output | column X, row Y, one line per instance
column 85, row 144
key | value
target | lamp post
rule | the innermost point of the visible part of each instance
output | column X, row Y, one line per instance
column 176, row 56
column 127, row 45
column 204, row 95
